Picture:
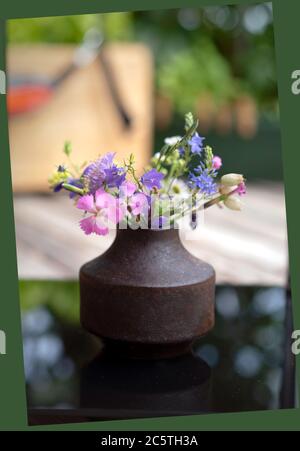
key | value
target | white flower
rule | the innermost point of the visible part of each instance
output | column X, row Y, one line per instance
column 233, row 203
column 179, row 189
column 232, row 179
column 172, row 140
column 156, row 157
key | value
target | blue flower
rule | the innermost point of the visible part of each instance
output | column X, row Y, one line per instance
column 196, row 143
column 152, row 179
column 204, row 181
column 181, row 151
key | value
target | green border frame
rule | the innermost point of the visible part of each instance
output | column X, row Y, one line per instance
column 13, row 412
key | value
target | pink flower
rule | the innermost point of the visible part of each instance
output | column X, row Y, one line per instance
column 127, row 189
column 138, row 204
column 216, row 162
column 104, row 208
column 241, row 189
column 87, row 203
column 93, row 224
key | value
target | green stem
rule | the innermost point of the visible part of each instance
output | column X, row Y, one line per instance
column 171, row 177
column 158, row 162
column 135, row 178
column 206, row 205
column 73, row 189
column 166, row 150
column 218, row 199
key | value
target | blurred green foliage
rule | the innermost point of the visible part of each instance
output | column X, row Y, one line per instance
column 223, row 50
column 183, row 70
column 70, row 29
column 61, row 297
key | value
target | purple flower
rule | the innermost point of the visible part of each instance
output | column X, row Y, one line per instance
column 152, row 179
column 58, row 187
column 196, row 143
column 104, row 172
column 114, row 176
column 204, row 181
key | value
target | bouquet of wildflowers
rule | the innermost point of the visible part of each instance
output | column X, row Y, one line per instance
column 183, row 179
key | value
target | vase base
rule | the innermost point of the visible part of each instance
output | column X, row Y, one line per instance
column 145, row 351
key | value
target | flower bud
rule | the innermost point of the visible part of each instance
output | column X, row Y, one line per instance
column 217, row 162
column 226, row 189
column 233, row 203
column 232, row 179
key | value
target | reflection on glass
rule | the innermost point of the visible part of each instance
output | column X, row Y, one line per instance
column 236, row 367
column 166, row 386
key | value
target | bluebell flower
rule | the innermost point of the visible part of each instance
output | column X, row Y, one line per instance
column 204, row 181
column 196, row 143
column 152, row 179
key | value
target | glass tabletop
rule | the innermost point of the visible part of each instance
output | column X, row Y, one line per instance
column 241, row 365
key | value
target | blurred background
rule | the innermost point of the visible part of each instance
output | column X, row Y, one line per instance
column 122, row 82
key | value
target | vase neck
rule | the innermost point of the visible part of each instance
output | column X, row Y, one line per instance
column 146, row 236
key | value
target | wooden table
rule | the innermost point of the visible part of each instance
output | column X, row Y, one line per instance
column 248, row 247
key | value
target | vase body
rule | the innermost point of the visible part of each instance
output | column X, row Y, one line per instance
column 147, row 296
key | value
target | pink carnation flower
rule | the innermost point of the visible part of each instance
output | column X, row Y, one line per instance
column 104, row 208
column 127, row 189
column 138, row 204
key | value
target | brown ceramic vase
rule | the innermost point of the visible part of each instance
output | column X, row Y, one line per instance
column 147, row 296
